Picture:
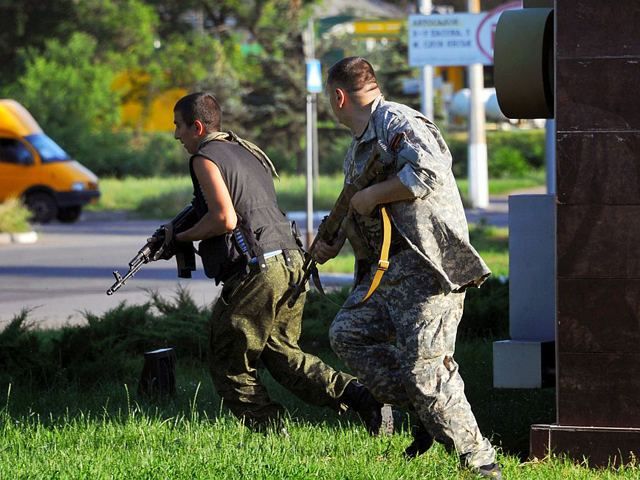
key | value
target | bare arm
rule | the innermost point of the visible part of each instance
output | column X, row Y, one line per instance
column 221, row 216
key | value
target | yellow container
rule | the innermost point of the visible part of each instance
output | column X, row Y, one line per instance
column 33, row 167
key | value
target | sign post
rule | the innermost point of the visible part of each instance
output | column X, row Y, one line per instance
column 426, row 72
column 314, row 86
column 462, row 39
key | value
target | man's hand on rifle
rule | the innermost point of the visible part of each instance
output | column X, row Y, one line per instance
column 164, row 240
column 323, row 251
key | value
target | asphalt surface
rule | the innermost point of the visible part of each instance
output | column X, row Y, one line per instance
column 66, row 273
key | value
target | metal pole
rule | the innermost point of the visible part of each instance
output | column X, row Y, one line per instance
column 309, row 235
column 426, row 72
column 316, row 164
column 550, row 154
column 477, row 161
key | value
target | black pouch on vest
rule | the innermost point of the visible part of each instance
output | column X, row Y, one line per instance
column 217, row 254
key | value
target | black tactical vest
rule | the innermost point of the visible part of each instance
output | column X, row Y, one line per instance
column 262, row 226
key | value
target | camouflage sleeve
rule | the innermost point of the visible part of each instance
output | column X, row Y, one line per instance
column 421, row 163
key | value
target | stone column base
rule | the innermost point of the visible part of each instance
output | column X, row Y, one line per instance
column 601, row 446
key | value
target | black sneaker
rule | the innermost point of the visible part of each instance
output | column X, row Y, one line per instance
column 377, row 417
column 491, row 470
column 422, row 441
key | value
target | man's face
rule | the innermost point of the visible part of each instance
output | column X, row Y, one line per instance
column 187, row 134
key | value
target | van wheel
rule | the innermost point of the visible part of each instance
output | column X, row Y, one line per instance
column 69, row 214
column 43, row 207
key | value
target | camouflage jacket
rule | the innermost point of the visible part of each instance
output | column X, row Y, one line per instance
column 433, row 223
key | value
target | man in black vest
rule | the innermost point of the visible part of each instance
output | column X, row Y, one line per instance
column 247, row 244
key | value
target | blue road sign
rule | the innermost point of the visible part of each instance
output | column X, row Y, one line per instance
column 314, row 76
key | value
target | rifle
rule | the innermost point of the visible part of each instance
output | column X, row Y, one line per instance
column 330, row 225
column 155, row 248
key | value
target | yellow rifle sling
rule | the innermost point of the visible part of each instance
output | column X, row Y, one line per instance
column 383, row 263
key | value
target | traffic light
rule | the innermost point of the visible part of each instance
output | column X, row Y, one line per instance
column 524, row 62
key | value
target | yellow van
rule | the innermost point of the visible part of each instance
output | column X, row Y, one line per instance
column 33, row 167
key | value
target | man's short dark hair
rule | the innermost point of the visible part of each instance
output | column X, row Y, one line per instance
column 201, row 106
column 352, row 74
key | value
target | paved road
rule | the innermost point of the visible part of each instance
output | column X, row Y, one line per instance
column 68, row 270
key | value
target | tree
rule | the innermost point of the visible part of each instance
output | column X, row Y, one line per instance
column 29, row 24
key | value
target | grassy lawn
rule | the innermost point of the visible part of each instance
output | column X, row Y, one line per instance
column 162, row 197
column 106, row 432
column 99, row 427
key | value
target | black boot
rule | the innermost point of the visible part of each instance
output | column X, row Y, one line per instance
column 422, row 441
column 377, row 417
column 490, row 471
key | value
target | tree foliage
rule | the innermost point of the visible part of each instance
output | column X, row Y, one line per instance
column 74, row 73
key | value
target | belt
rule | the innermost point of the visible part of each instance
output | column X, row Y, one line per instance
column 254, row 260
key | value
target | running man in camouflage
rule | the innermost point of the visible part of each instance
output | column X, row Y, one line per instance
column 400, row 343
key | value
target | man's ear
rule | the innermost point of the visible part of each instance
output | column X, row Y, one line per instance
column 200, row 129
column 341, row 97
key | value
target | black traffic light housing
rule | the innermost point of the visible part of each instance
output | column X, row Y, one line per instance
column 524, row 62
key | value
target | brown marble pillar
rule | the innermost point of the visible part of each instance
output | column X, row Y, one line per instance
column 598, row 233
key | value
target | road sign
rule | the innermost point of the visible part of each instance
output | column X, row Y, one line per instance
column 378, row 28
column 314, row 76
column 455, row 39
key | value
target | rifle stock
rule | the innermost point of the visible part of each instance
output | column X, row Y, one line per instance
column 328, row 230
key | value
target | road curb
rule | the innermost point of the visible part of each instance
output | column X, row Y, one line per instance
column 22, row 237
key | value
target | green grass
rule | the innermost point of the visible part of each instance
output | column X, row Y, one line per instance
column 107, row 432
column 14, row 217
column 492, row 243
column 100, row 428
column 162, row 197
column 503, row 186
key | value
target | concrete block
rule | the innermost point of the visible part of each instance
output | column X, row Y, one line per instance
column 523, row 364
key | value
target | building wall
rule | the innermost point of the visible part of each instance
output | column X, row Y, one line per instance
column 598, row 212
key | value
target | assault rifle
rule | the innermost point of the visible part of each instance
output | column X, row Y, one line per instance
column 328, row 230
column 158, row 246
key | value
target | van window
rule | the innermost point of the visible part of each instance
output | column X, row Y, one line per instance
column 49, row 150
column 14, row 151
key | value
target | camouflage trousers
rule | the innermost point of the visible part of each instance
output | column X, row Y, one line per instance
column 252, row 326
column 400, row 344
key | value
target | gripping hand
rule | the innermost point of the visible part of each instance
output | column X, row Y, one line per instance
column 165, row 242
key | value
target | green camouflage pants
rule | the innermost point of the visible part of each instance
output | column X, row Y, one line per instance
column 400, row 344
column 252, row 324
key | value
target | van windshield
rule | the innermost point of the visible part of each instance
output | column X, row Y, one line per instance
column 49, row 150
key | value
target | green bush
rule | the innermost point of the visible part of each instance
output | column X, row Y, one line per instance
column 505, row 162
column 125, row 154
column 333, row 145
column 14, row 217
column 486, row 311
column 528, row 143
column 108, row 348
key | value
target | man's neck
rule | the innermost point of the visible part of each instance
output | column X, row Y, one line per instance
column 362, row 113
